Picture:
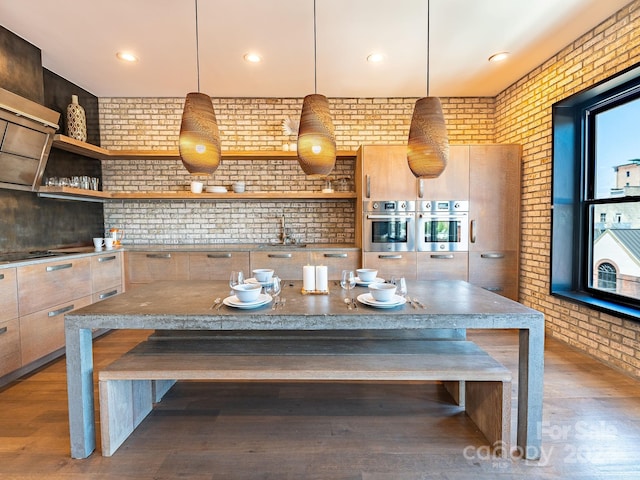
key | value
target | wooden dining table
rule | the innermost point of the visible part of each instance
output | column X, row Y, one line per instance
column 444, row 309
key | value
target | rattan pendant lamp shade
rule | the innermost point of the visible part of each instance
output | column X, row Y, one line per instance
column 199, row 141
column 316, row 135
column 428, row 145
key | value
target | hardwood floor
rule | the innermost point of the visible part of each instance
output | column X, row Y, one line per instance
column 591, row 428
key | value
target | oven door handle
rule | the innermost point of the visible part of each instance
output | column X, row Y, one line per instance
column 389, row 217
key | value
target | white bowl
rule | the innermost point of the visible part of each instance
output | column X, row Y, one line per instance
column 367, row 274
column 247, row 292
column 263, row 274
column 382, row 292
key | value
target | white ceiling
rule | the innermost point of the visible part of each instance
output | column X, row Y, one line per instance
column 79, row 40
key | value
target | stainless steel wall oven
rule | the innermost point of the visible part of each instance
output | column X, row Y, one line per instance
column 389, row 226
column 442, row 226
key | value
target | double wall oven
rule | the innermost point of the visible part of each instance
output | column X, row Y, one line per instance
column 407, row 226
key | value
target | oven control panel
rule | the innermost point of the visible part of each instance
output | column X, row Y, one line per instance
column 443, row 206
column 390, row 206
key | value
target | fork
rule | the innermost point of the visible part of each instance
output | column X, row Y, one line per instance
column 215, row 302
column 275, row 303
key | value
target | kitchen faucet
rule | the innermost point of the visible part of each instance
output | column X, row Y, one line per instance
column 285, row 237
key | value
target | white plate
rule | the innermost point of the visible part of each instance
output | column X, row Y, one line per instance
column 216, row 190
column 362, row 283
column 368, row 299
column 233, row 301
column 253, row 280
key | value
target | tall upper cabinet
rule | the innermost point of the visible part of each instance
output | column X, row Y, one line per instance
column 494, row 216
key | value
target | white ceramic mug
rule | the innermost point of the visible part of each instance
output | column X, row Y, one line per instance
column 238, row 187
column 98, row 243
column 108, row 243
column 196, row 187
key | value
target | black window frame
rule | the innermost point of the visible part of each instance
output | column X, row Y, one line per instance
column 571, row 194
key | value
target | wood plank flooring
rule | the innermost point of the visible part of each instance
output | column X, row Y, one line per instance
column 591, row 427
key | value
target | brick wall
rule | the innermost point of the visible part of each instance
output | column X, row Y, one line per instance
column 523, row 115
column 253, row 124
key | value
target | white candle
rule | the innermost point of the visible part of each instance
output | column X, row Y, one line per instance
column 322, row 278
column 309, row 278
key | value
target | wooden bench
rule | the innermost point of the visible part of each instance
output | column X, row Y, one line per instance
column 130, row 386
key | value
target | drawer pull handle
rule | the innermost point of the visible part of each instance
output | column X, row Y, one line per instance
column 61, row 310
column 108, row 294
column 1, row 276
column 158, row 255
column 106, row 259
column 390, row 257
column 279, row 255
column 335, row 255
column 218, row 255
column 472, row 232
column 494, row 289
column 53, row 268
column 443, row 256
column 492, row 255
column 3, row 330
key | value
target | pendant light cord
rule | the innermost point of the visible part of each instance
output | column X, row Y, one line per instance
column 197, row 48
column 428, row 41
column 315, row 51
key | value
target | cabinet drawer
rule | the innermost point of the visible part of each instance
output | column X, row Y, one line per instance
column 43, row 332
column 8, row 294
column 106, row 293
column 496, row 271
column 287, row 264
column 217, row 265
column 146, row 267
column 442, row 266
column 10, row 358
column 336, row 261
column 51, row 283
column 106, row 271
column 396, row 264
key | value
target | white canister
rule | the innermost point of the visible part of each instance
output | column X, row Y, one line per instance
column 322, row 278
column 196, row 187
column 238, row 187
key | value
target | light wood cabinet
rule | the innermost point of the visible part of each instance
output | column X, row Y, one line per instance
column 8, row 294
column 494, row 216
column 10, row 358
column 286, row 263
column 453, row 183
column 393, row 264
column 42, row 332
column 336, row 261
column 51, row 283
column 383, row 173
column 442, row 265
column 147, row 267
column 106, row 271
column 217, row 265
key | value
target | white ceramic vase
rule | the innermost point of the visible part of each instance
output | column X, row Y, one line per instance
column 76, row 120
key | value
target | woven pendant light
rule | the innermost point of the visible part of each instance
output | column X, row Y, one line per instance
column 316, row 138
column 316, row 135
column 199, row 135
column 428, row 145
column 199, row 140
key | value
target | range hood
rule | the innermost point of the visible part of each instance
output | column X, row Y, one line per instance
column 26, row 135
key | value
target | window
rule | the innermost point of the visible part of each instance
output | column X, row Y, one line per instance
column 596, row 176
column 607, row 277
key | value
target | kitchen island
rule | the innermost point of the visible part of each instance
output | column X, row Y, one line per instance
column 187, row 306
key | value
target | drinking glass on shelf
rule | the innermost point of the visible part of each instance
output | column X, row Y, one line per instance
column 348, row 280
column 236, row 278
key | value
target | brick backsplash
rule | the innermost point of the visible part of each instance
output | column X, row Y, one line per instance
column 253, row 124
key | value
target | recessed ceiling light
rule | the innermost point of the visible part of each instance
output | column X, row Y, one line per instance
column 252, row 57
column 498, row 57
column 375, row 58
column 127, row 56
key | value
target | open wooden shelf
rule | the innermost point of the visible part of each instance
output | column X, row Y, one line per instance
column 100, row 196
column 69, row 144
